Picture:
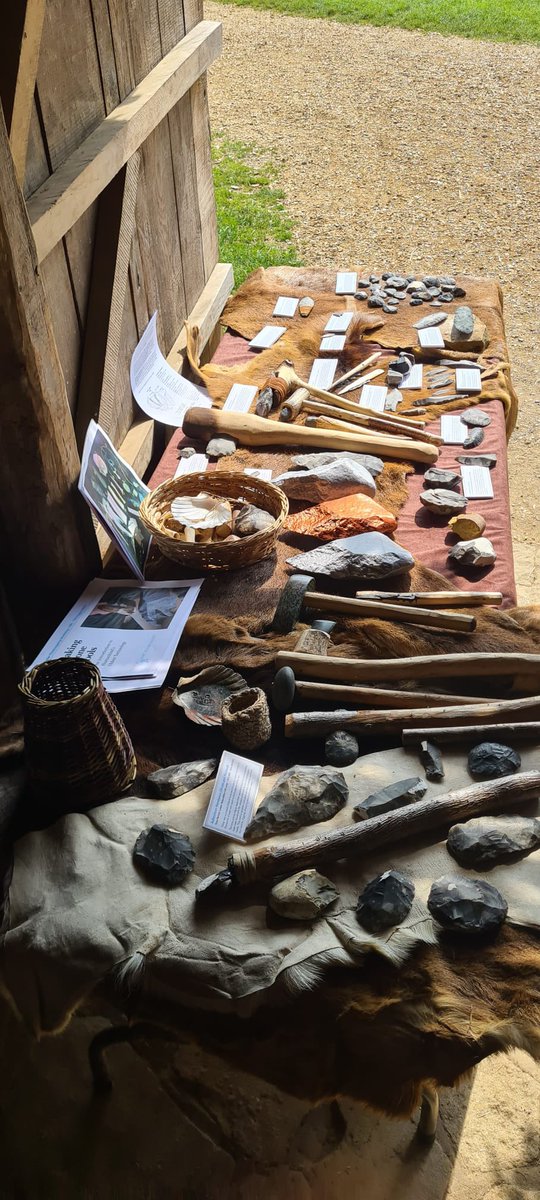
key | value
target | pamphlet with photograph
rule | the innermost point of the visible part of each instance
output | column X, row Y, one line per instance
column 129, row 630
column 114, row 492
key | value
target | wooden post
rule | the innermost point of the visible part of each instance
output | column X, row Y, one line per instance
column 46, row 536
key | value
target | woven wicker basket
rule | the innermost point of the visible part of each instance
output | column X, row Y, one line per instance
column 223, row 556
column 78, row 751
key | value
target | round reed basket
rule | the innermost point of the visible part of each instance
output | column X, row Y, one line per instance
column 218, row 556
column 78, row 749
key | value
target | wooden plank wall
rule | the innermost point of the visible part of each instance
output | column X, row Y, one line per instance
column 93, row 53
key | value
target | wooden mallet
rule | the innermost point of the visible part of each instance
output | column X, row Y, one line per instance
column 250, row 430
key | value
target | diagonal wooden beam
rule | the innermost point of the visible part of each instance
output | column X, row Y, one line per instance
column 64, row 197
column 108, row 288
column 46, row 536
column 26, row 85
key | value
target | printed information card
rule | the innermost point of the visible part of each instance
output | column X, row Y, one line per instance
column 232, row 802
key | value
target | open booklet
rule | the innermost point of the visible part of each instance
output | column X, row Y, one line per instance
column 114, row 492
column 129, row 630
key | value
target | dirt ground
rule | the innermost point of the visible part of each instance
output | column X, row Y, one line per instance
column 405, row 151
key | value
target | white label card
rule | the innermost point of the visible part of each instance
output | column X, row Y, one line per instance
column 477, row 483
column 468, row 380
column 453, row 430
column 240, row 398
column 267, row 337
column 338, row 322
column 188, row 466
column 332, row 343
column 430, row 337
column 346, row 283
column 322, row 373
column 233, row 796
column 414, row 378
column 263, row 473
column 373, row 396
column 286, row 306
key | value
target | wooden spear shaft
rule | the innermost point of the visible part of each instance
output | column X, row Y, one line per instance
column 520, row 731
column 491, row 796
column 428, row 666
column 392, row 721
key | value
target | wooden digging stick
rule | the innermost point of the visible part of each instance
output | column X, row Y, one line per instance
column 258, row 431
column 434, row 599
column 351, row 841
column 392, row 721
column 320, row 602
column 346, row 421
column 429, row 666
column 342, row 693
column 520, row 731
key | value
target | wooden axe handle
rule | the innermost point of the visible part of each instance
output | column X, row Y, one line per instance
column 320, row 602
column 435, row 599
column 250, row 430
column 491, row 796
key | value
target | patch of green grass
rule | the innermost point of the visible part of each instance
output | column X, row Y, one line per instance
column 495, row 20
column 254, row 230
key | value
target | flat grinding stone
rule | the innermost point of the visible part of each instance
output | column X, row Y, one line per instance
column 365, row 556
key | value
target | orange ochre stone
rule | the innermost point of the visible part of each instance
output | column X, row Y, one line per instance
column 342, row 518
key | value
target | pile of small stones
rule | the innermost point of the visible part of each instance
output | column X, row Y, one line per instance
column 387, row 291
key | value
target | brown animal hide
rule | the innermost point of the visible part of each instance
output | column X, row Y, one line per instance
column 252, row 306
column 300, row 345
column 381, row 1034
column 514, row 630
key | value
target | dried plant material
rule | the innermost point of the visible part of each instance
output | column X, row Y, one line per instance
column 202, row 511
column 202, row 696
column 342, row 518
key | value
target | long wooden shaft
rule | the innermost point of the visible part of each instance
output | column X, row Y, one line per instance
column 345, row 423
column 250, row 430
column 320, row 602
column 360, row 367
column 519, row 731
column 356, row 409
column 328, row 412
column 491, row 796
column 435, row 599
column 429, row 666
column 392, row 721
column 334, row 693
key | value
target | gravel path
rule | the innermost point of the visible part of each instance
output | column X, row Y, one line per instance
column 408, row 151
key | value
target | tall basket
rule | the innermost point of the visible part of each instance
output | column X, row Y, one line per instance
column 78, row 750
